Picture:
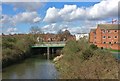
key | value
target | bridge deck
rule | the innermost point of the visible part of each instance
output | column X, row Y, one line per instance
column 50, row 44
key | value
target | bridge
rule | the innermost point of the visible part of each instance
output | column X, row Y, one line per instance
column 49, row 45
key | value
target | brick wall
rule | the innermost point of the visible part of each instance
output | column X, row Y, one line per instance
column 98, row 36
column 105, row 38
column 91, row 37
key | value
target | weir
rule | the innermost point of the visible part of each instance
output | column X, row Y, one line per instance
column 49, row 45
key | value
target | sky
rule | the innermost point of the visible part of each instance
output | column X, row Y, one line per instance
column 50, row 17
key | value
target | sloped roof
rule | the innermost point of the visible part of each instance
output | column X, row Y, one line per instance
column 92, row 30
column 109, row 26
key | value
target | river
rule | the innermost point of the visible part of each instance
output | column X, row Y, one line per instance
column 34, row 68
column 116, row 55
column 31, row 68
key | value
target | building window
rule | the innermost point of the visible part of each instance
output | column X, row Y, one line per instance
column 115, row 30
column 115, row 42
column 108, row 31
column 104, row 36
column 109, row 42
column 94, row 33
column 103, row 31
column 104, row 42
column 115, row 36
column 109, row 37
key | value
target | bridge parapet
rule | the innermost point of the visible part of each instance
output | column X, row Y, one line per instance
column 50, row 44
column 61, row 42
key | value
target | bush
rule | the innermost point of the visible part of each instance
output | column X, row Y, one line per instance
column 87, row 54
column 94, row 47
column 71, row 47
column 89, row 62
column 16, row 47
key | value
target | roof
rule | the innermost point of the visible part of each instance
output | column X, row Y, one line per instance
column 92, row 30
column 109, row 26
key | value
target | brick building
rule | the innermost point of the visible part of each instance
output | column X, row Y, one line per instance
column 106, row 36
column 55, row 37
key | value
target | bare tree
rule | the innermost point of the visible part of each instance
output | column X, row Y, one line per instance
column 60, row 31
column 35, row 30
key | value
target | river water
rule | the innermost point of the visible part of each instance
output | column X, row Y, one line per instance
column 35, row 68
column 116, row 55
column 32, row 68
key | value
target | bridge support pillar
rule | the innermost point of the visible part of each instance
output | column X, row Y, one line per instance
column 52, row 51
column 48, row 53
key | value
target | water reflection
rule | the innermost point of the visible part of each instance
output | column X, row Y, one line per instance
column 32, row 68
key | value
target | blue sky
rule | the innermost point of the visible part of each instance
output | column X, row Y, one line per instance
column 77, row 17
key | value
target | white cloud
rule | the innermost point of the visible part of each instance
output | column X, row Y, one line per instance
column 75, row 29
column 25, row 17
column 10, row 30
column 0, row 14
column 51, row 28
column 102, row 10
column 84, row 28
column 86, row 16
column 0, row 8
column 81, row 29
column 101, row 22
column 67, row 9
column 27, row 6
column 37, row 19
column 6, row 20
column 54, row 28
column 52, row 15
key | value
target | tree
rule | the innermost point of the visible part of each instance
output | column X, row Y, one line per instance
column 60, row 31
column 35, row 30
column 67, row 32
column 64, row 35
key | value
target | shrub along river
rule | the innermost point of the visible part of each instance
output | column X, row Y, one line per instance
column 35, row 67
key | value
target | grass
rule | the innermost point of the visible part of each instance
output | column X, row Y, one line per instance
column 115, row 50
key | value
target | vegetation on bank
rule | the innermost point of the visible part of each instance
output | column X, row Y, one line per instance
column 115, row 50
column 16, row 48
column 83, row 61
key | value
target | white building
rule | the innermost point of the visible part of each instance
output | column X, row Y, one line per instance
column 81, row 35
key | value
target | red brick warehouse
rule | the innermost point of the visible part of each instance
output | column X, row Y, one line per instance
column 106, row 36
